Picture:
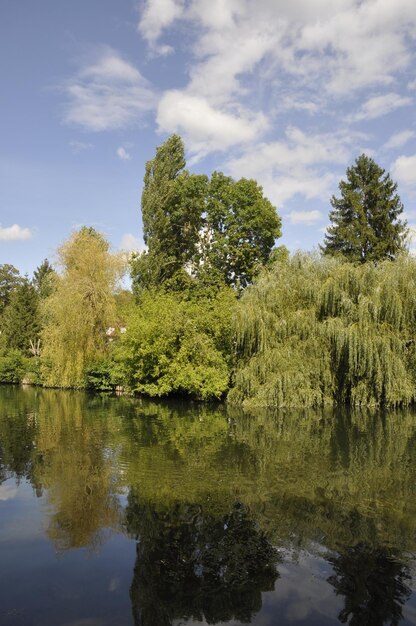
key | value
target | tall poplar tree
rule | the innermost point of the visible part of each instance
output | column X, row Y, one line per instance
column 172, row 206
column 365, row 220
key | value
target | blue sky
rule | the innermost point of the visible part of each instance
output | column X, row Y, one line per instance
column 289, row 93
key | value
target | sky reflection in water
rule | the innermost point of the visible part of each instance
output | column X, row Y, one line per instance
column 114, row 511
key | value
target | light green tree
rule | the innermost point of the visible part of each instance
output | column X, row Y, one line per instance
column 80, row 309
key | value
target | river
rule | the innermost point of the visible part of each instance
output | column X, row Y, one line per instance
column 116, row 511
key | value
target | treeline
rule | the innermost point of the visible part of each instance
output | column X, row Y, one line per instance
column 216, row 309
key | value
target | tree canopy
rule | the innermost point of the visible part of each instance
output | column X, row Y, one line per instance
column 365, row 220
column 316, row 331
column 196, row 227
column 9, row 280
column 80, row 309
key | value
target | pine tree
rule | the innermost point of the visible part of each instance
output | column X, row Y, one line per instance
column 42, row 279
column 9, row 281
column 365, row 224
column 21, row 322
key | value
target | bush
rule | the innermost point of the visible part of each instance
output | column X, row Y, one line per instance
column 178, row 346
column 14, row 367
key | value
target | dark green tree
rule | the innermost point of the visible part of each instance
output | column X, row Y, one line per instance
column 42, row 279
column 192, row 564
column 21, row 322
column 172, row 207
column 365, row 224
column 374, row 583
column 217, row 231
column 9, row 280
column 241, row 226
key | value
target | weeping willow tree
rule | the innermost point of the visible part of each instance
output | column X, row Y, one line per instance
column 80, row 309
column 313, row 331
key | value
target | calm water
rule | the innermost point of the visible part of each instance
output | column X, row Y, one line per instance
column 121, row 512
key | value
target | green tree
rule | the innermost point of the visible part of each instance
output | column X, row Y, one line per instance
column 365, row 224
column 178, row 346
column 316, row 330
column 172, row 206
column 214, row 232
column 21, row 319
column 9, row 280
column 43, row 279
column 241, row 226
column 80, row 309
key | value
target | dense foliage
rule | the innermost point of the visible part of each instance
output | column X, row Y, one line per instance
column 217, row 230
column 80, row 308
column 365, row 224
column 174, row 345
column 312, row 331
column 215, row 306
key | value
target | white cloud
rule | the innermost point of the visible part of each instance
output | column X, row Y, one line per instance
column 404, row 170
column 130, row 243
column 251, row 63
column 411, row 85
column 336, row 47
column 123, row 154
column 7, row 492
column 305, row 217
column 381, row 105
column 204, row 127
column 157, row 16
column 80, row 146
column 399, row 139
column 107, row 94
column 296, row 165
column 14, row 233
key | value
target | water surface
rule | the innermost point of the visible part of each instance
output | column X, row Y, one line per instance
column 123, row 512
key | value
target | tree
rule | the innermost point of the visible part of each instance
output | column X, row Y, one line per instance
column 241, row 227
column 81, row 308
column 43, row 279
column 21, row 320
column 217, row 231
column 177, row 346
column 9, row 280
column 365, row 224
column 172, row 205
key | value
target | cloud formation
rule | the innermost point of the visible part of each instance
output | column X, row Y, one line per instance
column 381, row 105
column 204, row 127
column 399, row 139
column 107, row 93
column 404, row 170
column 123, row 154
column 14, row 233
column 130, row 243
column 254, row 67
column 305, row 217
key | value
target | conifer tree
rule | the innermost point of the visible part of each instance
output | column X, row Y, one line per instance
column 21, row 323
column 365, row 224
column 9, row 280
column 42, row 279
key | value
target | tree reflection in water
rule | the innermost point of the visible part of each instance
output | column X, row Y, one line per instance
column 373, row 582
column 191, row 564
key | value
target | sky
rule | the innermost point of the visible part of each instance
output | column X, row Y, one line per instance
column 286, row 92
